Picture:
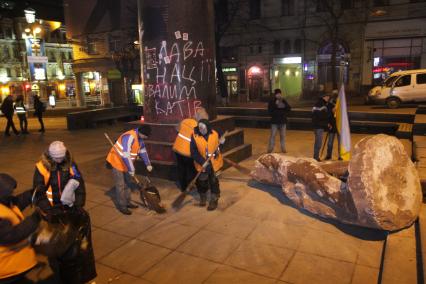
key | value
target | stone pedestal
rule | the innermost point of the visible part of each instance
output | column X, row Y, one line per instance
column 178, row 61
column 178, row 56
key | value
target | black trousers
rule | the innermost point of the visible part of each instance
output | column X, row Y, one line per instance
column 23, row 123
column 10, row 124
column 185, row 170
column 40, row 119
column 208, row 180
column 76, row 265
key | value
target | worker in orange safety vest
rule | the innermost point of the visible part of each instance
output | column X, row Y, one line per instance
column 181, row 147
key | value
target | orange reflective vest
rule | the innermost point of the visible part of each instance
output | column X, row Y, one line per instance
column 183, row 139
column 207, row 148
column 17, row 258
column 116, row 153
column 46, row 175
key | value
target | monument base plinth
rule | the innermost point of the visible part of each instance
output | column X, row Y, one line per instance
column 160, row 143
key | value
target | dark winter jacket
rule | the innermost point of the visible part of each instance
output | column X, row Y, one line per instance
column 320, row 115
column 59, row 177
column 38, row 107
column 7, row 106
column 10, row 234
column 278, row 113
column 331, row 118
column 196, row 156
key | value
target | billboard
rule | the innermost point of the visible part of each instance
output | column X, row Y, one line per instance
column 84, row 17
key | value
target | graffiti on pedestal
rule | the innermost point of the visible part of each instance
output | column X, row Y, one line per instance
column 176, row 75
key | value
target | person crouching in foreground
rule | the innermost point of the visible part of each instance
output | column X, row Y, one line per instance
column 17, row 257
column 205, row 143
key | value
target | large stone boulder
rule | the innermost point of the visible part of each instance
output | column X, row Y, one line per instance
column 380, row 187
column 384, row 183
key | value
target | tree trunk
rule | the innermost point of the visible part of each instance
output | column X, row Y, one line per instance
column 334, row 62
column 220, row 77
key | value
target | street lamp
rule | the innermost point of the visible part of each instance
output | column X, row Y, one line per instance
column 30, row 15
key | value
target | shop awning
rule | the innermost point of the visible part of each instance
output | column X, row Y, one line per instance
column 93, row 65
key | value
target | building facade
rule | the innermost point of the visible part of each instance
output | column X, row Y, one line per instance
column 35, row 58
column 298, row 45
column 106, row 62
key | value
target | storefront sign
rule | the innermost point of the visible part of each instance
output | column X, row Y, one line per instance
column 114, row 74
column 393, row 29
column 39, row 74
column 37, row 59
column 288, row 60
column 230, row 69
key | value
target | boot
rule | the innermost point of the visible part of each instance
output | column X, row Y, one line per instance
column 214, row 199
column 203, row 199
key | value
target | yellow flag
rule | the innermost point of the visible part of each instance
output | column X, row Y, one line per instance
column 342, row 123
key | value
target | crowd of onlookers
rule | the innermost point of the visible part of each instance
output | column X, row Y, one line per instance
column 323, row 120
column 10, row 106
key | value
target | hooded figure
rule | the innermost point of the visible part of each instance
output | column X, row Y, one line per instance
column 60, row 194
column 17, row 257
column 205, row 144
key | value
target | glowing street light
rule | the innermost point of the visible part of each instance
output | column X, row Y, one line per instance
column 30, row 15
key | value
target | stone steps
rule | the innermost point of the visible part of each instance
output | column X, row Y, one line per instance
column 399, row 262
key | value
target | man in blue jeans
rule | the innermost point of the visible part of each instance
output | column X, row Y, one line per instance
column 278, row 109
column 320, row 122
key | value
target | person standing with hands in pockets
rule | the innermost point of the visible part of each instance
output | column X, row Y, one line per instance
column 278, row 108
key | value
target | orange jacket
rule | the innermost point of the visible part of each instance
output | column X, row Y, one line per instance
column 127, row 148
column 46, row 176
column 208, row 148
column 183, row 139
column 17, row 258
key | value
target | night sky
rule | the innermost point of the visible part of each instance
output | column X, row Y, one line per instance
column 45, row 9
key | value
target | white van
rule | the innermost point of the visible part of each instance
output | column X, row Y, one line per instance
column 400, row 87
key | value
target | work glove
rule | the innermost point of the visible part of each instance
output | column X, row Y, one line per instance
column 68, row 195
column 149, row 168
column 132, row 174
column 222, row 140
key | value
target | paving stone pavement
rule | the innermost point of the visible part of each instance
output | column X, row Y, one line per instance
column 255, row 236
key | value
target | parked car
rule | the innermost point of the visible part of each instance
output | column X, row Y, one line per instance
column 401, row 87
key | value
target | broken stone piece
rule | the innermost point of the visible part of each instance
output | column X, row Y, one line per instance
column 382, row 189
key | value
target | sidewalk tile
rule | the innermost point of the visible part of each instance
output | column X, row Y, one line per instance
column 340, row 247
column 135, row 257
column 307, row 268
column 102, row 215
column 278, row 234
column 106, row 274
column 105, row 242
column 210, row 245
column 195, row 217
column 234, row 225
column 133, row 225
column 226, row 274
column 364, row 274
column 168, row 234
column 180, row 268
column 249, row 209
column 126, row 279
column 261, row 259
column 370, row 253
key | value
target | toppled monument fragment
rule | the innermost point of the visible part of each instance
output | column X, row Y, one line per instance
column 379, row 188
